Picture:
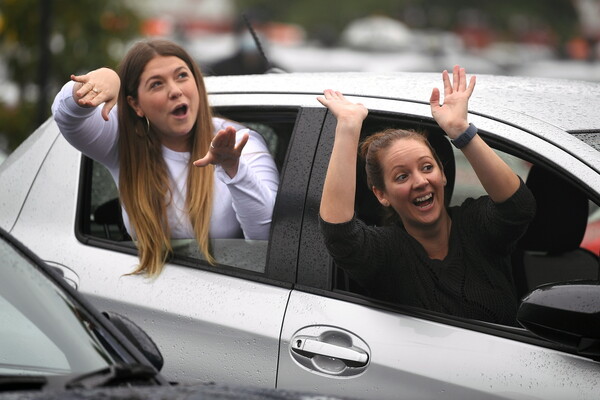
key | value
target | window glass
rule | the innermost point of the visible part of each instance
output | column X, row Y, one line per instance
column 467, row 184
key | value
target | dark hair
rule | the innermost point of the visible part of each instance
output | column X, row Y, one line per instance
column 371, row 147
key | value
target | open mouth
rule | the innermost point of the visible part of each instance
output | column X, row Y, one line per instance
column 423, row 201
column 180, row 111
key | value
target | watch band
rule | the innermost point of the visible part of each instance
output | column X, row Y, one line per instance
column 465, row 137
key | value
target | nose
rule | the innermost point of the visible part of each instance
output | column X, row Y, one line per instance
column 174, row 91
column 420, row 180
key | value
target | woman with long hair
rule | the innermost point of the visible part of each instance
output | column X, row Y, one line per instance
column 181, row 172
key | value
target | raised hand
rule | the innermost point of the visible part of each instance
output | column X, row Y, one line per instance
column 343, row 109
column 224, row 151
column 96, row 87
column 452, row 115
column 339, row 188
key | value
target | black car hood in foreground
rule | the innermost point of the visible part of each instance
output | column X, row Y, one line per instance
column 196, row 392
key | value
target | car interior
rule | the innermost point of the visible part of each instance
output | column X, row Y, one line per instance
column 550, row 251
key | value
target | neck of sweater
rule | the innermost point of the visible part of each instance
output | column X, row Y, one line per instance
column 435, row 238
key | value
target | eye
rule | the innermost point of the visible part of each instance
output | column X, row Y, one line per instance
column 428, row 167
column 154, row 84
column 183, row 75
column 401, row 177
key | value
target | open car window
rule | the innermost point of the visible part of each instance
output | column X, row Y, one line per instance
column 562, row 242
column 100, row 216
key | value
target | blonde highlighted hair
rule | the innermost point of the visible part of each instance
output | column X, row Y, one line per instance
column 143, row 180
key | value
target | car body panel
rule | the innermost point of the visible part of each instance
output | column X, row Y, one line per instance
column 19, row 171
column 417, row 359
column 567, row 104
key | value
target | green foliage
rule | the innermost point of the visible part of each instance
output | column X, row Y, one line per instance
column 15, row 123
column 84, row 35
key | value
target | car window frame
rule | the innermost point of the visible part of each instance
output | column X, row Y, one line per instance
column 282, row 247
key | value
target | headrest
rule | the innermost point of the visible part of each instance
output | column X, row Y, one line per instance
column 561, row 216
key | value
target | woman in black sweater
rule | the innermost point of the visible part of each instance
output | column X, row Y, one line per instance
column 452, row 260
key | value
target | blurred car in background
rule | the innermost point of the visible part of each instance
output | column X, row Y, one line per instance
column 278, row 313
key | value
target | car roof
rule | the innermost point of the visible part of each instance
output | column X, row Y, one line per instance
column 570, row 105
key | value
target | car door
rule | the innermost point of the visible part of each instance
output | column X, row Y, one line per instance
column 338, row 340
column 212, row 323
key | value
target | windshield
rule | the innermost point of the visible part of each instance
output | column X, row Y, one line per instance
column 42, row 331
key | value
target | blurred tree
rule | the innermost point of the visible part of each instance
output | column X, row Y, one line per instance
column 42, row 42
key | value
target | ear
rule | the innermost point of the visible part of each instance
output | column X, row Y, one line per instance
column 380, row 197
column 133, row 103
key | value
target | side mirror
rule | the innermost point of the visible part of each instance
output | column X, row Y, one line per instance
column 138, row 337
column 566, row 313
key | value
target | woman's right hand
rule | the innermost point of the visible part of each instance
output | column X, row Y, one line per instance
column 339, row 188
column 96, row 87
column 344, row 110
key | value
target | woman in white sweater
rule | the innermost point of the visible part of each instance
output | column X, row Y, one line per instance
column 162, row 125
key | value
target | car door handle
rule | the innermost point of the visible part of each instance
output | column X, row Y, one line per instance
column 312, row 346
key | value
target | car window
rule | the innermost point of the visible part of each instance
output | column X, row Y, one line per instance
column 100, row 210
column 553, row 249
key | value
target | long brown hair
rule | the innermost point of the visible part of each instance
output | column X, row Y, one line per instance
column 143, row 179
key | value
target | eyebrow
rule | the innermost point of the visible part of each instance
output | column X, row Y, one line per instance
column 418, row 159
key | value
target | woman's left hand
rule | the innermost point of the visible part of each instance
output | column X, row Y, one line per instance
column 224, row 151
column 452, row 115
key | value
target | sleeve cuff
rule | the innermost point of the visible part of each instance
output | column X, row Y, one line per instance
column 242, row 172
column 71, row 106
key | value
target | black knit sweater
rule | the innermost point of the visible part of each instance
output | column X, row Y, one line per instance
column 473, row 281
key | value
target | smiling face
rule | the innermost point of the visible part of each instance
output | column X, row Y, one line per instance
column 168, row 96
column 413, row 183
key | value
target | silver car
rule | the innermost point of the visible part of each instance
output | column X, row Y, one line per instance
column 279, row 313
